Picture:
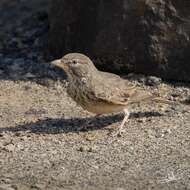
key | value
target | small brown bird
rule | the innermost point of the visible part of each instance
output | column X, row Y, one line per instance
column 101, row 92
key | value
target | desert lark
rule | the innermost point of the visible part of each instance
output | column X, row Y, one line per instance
column 101, row 92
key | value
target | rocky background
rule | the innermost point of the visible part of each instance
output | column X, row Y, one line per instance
column 48, row 142
column 150, row 37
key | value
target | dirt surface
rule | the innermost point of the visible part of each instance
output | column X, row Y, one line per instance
column 48, row 142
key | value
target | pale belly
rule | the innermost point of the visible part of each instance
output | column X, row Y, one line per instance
column 103, row 108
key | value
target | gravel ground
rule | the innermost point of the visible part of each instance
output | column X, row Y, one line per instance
column 43, row 142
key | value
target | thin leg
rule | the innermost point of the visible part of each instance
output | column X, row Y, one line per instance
column 120, row 129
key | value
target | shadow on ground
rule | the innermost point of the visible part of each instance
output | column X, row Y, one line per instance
column 74, row 125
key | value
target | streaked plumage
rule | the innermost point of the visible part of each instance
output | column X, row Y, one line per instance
column 100, row 92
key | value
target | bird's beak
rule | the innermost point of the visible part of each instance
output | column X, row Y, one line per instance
column 60, row 63
column 57, row 62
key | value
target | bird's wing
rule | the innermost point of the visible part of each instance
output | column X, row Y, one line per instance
column 120, row 96
column 109, row 75
column 113, row 89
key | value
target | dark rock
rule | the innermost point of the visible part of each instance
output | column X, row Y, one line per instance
column 150, row 37
column 1, row 71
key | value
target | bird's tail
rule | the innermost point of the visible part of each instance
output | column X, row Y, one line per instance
column 149, row 97
column 142, row 96
column 163, row 101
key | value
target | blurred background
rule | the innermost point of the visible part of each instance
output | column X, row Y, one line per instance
column 149, row 37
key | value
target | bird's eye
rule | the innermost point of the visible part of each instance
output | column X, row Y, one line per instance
column 74, row 62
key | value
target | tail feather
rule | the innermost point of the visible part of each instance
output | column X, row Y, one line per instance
column 162, row 101
column 141, row 96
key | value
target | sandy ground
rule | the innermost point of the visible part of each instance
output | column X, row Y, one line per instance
column 43, row 147
column 48, row 142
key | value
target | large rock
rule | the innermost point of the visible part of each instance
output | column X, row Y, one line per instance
column 147, row 36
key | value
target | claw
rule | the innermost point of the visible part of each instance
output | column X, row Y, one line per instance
column 118, row 133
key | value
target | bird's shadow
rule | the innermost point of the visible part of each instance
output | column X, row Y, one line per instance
column 73, row 125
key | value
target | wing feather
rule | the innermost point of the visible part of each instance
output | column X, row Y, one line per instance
column 114, row 90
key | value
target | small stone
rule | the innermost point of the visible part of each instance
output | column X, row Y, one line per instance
column 153, row 81
column 142, row 120
column 83, row 149
column 141, row 79
column 167, row 131
column 38, row 186
column 2, row 135
column 159, row 135
column 90, row 137
column 29, row 75
column 6, row 180
column 46, row 82
column 186, row 101
column 27, row 87
column 130, row 75
column 9, row 148
column 92, row 149
column 6, row 187
column 175, row 95
column 149, row 133
column 18, row 134
column 20, row 187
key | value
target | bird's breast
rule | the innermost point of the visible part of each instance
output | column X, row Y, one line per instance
column 78, row 90
column 84, row 96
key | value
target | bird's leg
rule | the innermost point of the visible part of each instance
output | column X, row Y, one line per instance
column 120, row 130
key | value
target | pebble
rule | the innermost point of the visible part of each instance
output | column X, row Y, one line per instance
column 38, row 186
column 9, row 148
column 6, row 187
column 21, row 187
column 6, row 180
column 29, row 75
column 85, row 148
column 142, row 120
column 153, row 81
column 90, row 137
column 186, row 101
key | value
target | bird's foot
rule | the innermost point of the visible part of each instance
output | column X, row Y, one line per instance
column 118, row 132
column 121, row 128
column 115, row 134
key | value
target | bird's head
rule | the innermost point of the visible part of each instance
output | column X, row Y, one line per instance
column 75, row 65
